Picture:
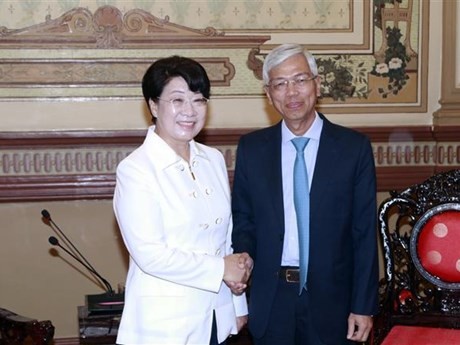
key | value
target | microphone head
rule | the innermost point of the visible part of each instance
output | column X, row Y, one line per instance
column 53, row 240
column 46, row 215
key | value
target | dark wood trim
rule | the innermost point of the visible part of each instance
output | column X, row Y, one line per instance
column 54, row 185
column 70, row 138
column 66, row 341
column 400, row 178
column 213, row 136
column 397, row 133
column 222, row 136
column 446, row 133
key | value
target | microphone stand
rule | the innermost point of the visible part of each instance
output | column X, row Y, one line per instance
column 108, row 302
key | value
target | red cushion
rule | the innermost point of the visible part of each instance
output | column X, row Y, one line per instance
column 438, row 246
column 412, row 335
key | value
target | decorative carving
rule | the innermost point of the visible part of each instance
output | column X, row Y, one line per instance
column 18, row 329
column 407, row 297
column 255, row 64
column 107, row 28
column 81, row 164
column 97, row 72
column 113, row 74
column 103, row 159
column 78, row 165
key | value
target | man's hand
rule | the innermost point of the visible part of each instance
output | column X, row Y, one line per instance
column 359, row 327
column 245, row 262
column 241, row 321
column 238, row 268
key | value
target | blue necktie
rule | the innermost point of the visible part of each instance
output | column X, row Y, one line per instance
column 302, row 208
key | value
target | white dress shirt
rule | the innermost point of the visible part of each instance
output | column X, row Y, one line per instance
column 290, row 255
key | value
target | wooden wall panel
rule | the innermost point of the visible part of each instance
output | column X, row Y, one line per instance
column 81, row 165
column 449, row 112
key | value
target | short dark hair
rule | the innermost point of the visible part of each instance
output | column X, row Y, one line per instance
column 163, row 70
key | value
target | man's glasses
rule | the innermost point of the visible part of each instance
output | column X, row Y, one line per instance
column 180, row 103
column 300, row 82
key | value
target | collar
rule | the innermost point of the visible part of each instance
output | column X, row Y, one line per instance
column 164, row 156
column 314, row 132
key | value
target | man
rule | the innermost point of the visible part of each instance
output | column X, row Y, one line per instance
column 336, row 303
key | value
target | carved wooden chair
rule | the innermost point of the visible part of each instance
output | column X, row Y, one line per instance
column 420, row 294
column 20, row 330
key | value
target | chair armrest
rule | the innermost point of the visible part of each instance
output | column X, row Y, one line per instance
column 16, row 329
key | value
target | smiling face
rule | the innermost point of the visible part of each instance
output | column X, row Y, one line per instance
column 296, row 101
column 180, row 114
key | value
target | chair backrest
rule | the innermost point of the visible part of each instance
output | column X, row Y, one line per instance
column 18, row 330
column 420, row 233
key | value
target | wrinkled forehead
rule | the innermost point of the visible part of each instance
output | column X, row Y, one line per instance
column 290, row 67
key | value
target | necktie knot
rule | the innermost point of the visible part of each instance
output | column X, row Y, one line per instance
column 300, row 143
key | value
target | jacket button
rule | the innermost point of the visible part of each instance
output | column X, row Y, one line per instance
column 218, row 220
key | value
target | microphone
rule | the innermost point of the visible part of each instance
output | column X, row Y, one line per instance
column 98, row 304
column 69, row 243
column 55, row 242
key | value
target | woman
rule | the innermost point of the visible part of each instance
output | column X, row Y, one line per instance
column 172, row 204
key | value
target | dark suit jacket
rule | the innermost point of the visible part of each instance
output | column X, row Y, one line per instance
column 343, row 267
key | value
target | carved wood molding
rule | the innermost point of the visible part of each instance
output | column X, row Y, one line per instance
column 109, row 28
column 96, row 72
column 81, row 165
column 103, row 71
column 255, row 64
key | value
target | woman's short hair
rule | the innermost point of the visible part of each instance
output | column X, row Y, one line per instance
column 163, row 70
column 284, row 52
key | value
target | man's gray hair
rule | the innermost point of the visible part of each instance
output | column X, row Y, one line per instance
column 283, row 52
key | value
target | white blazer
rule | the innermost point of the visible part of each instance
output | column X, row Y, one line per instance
column 175, row 220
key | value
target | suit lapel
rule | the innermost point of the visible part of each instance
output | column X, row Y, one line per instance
column 271, row 160
column 325, row 162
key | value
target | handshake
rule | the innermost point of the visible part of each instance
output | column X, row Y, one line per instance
column 238, row 268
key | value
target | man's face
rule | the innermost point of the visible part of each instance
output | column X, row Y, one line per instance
column 293, row 93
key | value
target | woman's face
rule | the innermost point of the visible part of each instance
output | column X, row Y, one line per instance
column 180, row 113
